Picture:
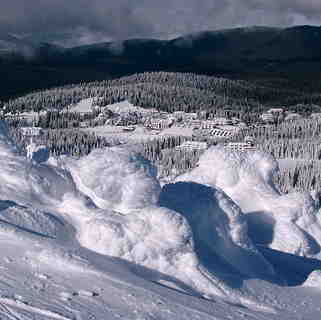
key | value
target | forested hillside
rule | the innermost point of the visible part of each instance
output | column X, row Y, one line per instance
column 187, row 92
column 278, row 57
column 171, row 92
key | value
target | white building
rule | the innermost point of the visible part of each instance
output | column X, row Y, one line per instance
column 268, row 117
column 195, row 124
column 191, row 116
column 276, row 110
column 159, row 124
column 31, row 131
column 192, row 145
column 292, row 117
column 247, row 145
column 208, row 124
column 211, row 124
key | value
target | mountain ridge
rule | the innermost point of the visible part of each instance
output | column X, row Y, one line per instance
column 253, row 52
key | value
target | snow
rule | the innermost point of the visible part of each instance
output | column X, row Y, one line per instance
column 124, row 107
column 116, row 179
column 178, row 131
column 218, row 225
column 314, row 280
column 98, row 238
column 84, row 106
column 289, row 223
column 140, row 134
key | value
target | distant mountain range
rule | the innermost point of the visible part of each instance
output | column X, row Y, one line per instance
column 292, row 55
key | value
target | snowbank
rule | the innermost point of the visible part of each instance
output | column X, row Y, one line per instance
column 219, row 227
column 29, row 183
column 189, row 232
column 128, row 223
column 116, row 179
column 289, row 223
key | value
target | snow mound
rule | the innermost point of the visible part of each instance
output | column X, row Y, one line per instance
column 155, row 237
column 110, row 201
column 288, row 223
column 124, row 107
column 129, row 223
column 28, row 182
column 314, row 280
column 235, row 173
column 219, row 226
column 116, row 179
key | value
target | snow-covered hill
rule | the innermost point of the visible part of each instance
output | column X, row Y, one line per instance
column 98, row 238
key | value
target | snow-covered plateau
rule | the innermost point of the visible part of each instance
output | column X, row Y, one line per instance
column 99, row 238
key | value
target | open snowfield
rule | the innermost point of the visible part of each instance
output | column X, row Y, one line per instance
column 83, row 106
column 99, row 238
column 140, row 134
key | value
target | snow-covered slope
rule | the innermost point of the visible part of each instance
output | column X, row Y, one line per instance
column 97, row 238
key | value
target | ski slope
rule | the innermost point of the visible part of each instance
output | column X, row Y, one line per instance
column 98, row 238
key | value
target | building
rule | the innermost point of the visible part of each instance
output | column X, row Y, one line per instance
column 190, row 116
column 223, row 121
column 84, row 124
column 276, row 110
column 292, row 117
column 220, row 133
column 208, row 124
column 129, row 129
column 192, row 145
column 268, row 117
column 159, row 124
column 247, row 145
column 195, row 124
column 31, row 131
column 211, row 124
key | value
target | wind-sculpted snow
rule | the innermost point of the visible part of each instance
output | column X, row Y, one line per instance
column 116, row 179
column 120, row 216
column 128, row 223
column 236, row 173
column 219, row 226
column 104, row 217
column 288, row 223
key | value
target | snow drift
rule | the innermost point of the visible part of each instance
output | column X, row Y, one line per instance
column 116, row 179
column 288, row 223
column 219, row 226
column 191, row 233
column 110, row 198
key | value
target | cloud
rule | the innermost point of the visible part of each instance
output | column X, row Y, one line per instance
column 84, row 21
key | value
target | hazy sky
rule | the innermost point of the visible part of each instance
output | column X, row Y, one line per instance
column 90, row 21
